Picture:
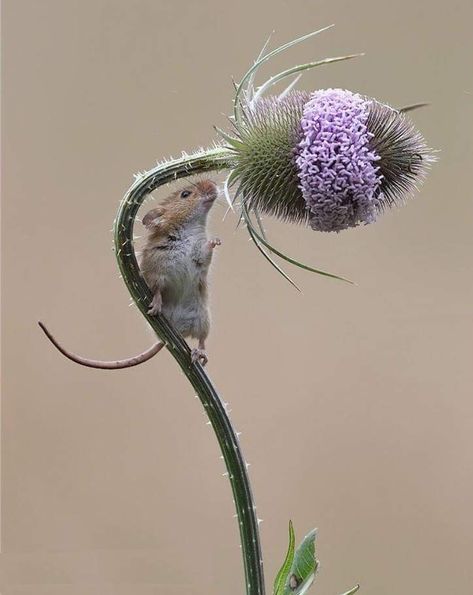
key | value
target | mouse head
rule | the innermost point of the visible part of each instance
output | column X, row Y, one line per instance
column 185, row 206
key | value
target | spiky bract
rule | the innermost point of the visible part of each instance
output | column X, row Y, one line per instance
column 266, row 170
column 403, row 153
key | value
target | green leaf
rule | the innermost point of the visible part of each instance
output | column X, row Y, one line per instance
column 351, row 591
column 270, row 260
column 295, row 69
column 248, row 75
column 257, row 238
column 260, row 224
column 303, row 568
column 250, row 86
column 411, row 108
column 231, row 140
column 283, row 575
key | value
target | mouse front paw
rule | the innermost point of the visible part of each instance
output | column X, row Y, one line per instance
column 199, row 355
column 156, row 305
column 215, row 242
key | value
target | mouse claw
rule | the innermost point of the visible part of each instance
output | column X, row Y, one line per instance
column 199, row 355
column 156, row 304
column 215, row 242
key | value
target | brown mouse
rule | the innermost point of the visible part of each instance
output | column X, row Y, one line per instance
column 174, row 262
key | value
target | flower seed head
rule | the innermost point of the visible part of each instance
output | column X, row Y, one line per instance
column 332, row 159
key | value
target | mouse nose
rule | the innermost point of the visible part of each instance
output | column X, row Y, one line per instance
column 208, row 188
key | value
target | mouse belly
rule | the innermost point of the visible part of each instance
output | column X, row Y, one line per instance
column 191, row 320
column 181, row 278
column 185, row 305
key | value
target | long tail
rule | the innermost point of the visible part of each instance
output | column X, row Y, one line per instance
column 111, row 365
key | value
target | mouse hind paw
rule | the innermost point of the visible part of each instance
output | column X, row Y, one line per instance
column 156, row 304
column 199, row 355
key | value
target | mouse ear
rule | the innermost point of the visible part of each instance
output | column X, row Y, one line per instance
column 153, row 218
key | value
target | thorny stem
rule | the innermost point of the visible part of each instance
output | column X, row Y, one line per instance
column 201, row 161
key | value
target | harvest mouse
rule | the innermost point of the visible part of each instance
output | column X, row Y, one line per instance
column 174, row 263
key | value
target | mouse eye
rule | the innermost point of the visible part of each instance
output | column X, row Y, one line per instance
column 185, row 193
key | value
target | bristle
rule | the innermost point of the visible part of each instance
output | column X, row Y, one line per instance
column 403, row 154
column 266, row 170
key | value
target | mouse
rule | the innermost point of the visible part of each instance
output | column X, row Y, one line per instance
column 174, row 262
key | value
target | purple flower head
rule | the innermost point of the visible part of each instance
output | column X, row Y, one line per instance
column 338, row 173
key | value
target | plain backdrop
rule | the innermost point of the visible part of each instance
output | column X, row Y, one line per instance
column 354, row 402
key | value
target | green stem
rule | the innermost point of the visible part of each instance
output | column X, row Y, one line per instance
column 202, row 161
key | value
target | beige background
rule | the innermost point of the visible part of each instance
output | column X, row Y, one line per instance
column 355, row 403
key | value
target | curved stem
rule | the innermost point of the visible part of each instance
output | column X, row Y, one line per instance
column 201, row 161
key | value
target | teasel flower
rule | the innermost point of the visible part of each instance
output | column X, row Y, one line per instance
column 331, row 159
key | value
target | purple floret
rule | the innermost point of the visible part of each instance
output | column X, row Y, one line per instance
column 338, row 175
